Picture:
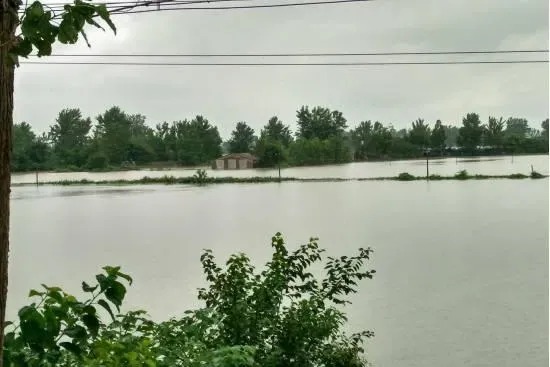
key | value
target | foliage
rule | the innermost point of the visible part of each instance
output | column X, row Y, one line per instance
column 371, row 140
column 119, row 139
column 320, row 123
column 306, row 152
column 29, row 151
column 276, row 131
column 200, row 177
column 242, row 139
column 280, row 316
column 438, row 136
column 420, row 133
column 494, row 132
column 405, row 176
column 535, row 174
column 270, row 153
column 59, row 329
column 69, row 137
column 462, row 175
column 469, row 135
column 40, row 28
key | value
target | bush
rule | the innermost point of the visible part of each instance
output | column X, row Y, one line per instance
column 535, row 174
column 462, row 175
column 97, row 161
column 281, row 316
column 405, row 176
column 200, row 177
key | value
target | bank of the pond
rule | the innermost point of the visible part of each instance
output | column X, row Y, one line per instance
column 203, row 180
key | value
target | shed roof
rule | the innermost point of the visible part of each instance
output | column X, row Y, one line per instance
column 238, row 156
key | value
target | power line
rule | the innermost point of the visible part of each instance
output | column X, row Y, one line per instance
column 289, row 64
column 343, row 54
column 116, row 8
column 238, row 7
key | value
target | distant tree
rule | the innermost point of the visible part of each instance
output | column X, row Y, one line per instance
column 470, row 134
column 275, row 130
column 419, row 134
column 494, row 132
column 242, row 139
column 362, row 137
column 517, row 127
column 270, row 153
column 320, row 122
column 544, row 126
column 114, row 132
column 438, row 137
column 451, row 135
column 69, row 137
column 197, row 141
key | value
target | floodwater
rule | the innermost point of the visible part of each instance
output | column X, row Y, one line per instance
column 462, row 267
column 449, row 166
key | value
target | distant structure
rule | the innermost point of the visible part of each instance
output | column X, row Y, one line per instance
column 235, row 161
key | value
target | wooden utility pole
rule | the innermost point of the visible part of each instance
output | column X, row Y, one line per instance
column 8, row 24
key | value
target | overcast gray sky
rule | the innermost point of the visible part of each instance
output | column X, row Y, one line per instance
column 225, row 95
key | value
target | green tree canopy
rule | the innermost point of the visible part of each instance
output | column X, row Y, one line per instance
column 70, row 136
column 438, row 136
column 276, row 130
column 419, row 134
column 470, row 134
column 242, row 139
column 320, row 122
column 494, row 132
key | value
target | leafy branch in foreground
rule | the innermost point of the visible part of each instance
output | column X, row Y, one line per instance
column 41, row 27
column 281, row 316
column 58, row 322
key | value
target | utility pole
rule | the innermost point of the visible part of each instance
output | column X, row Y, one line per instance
column 427, row 164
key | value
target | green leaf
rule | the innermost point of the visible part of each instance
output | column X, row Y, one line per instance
column 106, row 306
column 67, row 31
column 76, row 332
column 85, row 38
column 36, row 10
column 44, row 48
column 92, row 323
column 34, row 292
column 102, row 11
column 23, row 48
column 115, row 293
column 71, row 347
column 7, row 323
column 53, row 289
column 88, row 288
column 126, row 276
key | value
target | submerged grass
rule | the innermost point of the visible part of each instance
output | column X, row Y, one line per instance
column 202, row 180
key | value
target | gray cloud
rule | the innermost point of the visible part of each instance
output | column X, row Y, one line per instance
column 225, row 95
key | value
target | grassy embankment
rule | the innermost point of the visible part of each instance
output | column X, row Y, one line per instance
column 200, row 178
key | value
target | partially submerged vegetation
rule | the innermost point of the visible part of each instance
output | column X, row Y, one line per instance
column 201, row 178
column 282, row 316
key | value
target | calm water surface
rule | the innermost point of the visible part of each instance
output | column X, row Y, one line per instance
column 462, row 267
column 479, row 165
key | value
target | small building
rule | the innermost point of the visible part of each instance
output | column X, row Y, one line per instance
column 235, row 161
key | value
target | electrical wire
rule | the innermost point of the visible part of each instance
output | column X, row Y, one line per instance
column 240, row 7
column 115, row 8
column 289, row 64
column 302, row 54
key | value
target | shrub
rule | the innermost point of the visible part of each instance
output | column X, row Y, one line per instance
column 405, row 177
column 97, row 161
column 535, row 174
column 200, row 177
column 462, row 175
column 281, row 316
column 517, row 176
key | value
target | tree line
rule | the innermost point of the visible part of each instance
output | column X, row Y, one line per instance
column 118, row 139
